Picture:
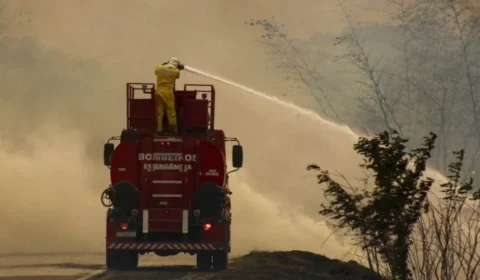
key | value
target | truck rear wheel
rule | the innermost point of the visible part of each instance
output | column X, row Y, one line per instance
column 220, row 260
column 121, row 260
column 204, row 260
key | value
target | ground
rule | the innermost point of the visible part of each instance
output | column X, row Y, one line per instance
column 255, row 265
column 294, row 265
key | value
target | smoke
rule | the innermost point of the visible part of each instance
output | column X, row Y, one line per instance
column 47, row 201
column 52, row 181
column 272, row 226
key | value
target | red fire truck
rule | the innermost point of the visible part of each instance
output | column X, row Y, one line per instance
column 169, row 194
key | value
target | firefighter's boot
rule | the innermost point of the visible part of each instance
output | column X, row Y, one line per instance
column 172, row 129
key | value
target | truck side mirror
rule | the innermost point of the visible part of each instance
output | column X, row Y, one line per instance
column 108, row 149
column 237, row 156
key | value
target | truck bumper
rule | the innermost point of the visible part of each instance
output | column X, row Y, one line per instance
column 157, row 246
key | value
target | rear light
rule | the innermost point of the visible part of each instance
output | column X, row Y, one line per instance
column 124, row 226
column 165, row 143
column 207, row 227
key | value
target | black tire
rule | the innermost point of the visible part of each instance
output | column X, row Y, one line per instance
column 204, row 260
column 121, row 260
column 220, row 260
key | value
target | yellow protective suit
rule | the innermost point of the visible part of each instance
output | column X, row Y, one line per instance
column 164, row 97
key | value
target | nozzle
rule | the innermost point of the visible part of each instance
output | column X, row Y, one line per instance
column 181, row 66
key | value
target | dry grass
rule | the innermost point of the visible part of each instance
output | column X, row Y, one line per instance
column 293, row 265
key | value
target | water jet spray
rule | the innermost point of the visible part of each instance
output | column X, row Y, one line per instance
column 274, row 99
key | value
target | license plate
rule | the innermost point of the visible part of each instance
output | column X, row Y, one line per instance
column 126, row 233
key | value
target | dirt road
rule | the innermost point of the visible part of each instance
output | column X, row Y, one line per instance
column 280, row 265
column 49, row 266
column 92, row 266
column 170, row 272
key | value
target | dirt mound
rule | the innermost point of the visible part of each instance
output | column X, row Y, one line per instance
column 294, row 265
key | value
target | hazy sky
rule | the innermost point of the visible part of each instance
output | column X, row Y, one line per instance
column 96, row 27
column 208, row 34
column 129, row 38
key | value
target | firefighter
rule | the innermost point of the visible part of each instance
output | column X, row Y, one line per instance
column 167, row 74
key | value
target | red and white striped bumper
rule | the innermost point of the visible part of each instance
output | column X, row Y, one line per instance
column 154, row 246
